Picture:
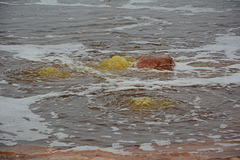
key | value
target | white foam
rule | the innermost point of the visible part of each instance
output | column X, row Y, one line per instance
column 131, row 83
column 196, row 9
column 162, row 142
column 117, row 133
column 19, row 122
column 210, row 149
column 39, row 52
column 7, row 142
column 56, row 3
column 223, row 126
column 61, row 135
column 54, row 115
column 109, row 149
column 155, row 20
column 61, row 129
column 182, row 9
column 106, row 136
column 52, row 36
column 178, row 140
column 131, row 4
column 236, row 106
column 126, row 141
column 6, row 3
column 57, row 144
column 128, row 26
column 146, row 147
column 228, row 44
column 141, row 1
column 166, row 132
column 116, row 145
column 150, row 22
column 3, row 82
column 191, row 140
column 48, row 2
column 141, row 42
column 114, row 129
column 197, row 100
column 214, row 136
column 90, row 129
column 227, row 144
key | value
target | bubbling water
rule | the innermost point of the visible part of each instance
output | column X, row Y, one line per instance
column 77, row 75
column 146, row 103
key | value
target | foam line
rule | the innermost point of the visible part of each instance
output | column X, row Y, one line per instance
column 39, row 52
column 18, row 122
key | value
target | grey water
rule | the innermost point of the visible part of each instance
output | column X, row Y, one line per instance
column 86, row 108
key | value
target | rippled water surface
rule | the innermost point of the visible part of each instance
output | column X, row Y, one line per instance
column 87, row 107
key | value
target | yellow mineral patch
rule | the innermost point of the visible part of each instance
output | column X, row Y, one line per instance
column 166, row 102
column 51, row 72
column 115, row 63
column 149, row 103
column 130, row 59
column 142, row 102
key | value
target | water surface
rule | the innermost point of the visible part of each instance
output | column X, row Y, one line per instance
column 87, row 108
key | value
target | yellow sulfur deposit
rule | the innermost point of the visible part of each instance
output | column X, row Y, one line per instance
column 115, row 63
column 166, row 102
column 131, row 59
column 51, row 72
column 149, row 103
column 142, row 102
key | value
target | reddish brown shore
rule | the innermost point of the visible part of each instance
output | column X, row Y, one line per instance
column 184, row 151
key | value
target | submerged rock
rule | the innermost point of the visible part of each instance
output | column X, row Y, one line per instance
column 115, row 63
column 158, row 62
column 51, row 72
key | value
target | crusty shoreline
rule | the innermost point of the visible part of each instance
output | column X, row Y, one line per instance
column 172, row 153
column 95, row 155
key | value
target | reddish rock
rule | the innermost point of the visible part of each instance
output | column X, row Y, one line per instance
column 158, row 62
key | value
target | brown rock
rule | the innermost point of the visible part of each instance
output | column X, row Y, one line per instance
column 158, row 62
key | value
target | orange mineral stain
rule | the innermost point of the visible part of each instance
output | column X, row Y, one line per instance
column 156, row 62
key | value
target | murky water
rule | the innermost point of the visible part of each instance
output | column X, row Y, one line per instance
column 87, row 107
